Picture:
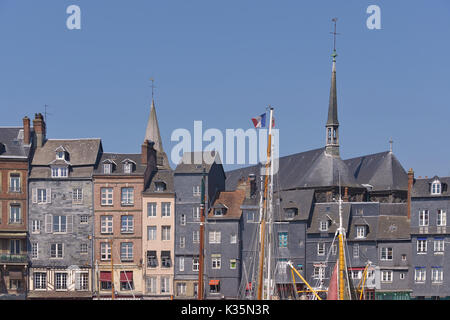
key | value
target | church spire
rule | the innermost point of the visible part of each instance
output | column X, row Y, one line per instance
column 152, row 134
column 332, row 125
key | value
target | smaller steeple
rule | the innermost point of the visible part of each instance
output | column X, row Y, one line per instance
column 332, row 125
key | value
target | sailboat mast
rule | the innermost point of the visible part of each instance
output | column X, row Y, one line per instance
column 263, row 218
column 270, row 215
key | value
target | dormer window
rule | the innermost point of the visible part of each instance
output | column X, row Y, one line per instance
column 59, row 172
column 160, row 186
column 290, row 213
column 127, row 167
column 60, row 155
column 107, row 168
column 219, row 211
column 360, row 232
column 324, row 225
column 436, row 187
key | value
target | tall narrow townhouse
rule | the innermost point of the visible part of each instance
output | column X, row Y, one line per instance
column 16, row 145
column 118, row 185
column 187, row 182
column 61, row 217
column 158, row 221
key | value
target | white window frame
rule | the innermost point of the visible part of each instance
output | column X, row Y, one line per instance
column 196, row 191
column 436, row 187
column 105, row 251
column 439, row 246
column 360, row 232
column 181, row 264
column 165, row 209
column 14, row 182
column 61, row 281
column 34, row 250
column 323, row 225
column 77, row 195
column 233, row 238
column 152, row 233
column 216, row 261
column 182, row 242
column 106, row 224
column 126, row 251
column 151, row 209
column 215, row 237
column 127, row 167
column 40, row 280
column 60, row 172
column 441, row 218
column 195, row 264
column 422, row 246
column 15, row 213
column 196, row 236
column 127, row 224
column 420, row 275
column 165, row 284
column 424, row 218
column 196, row 213
column 35, row 226
column 107, row 168
column 437, row 275
column 106, row 196
column 384, row 254
column 127, row 196
column 58, row 252
column 387, row 276
column 321, row 248
column 356, row 250
column 165, row 233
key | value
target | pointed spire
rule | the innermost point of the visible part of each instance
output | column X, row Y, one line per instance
column 332, row 106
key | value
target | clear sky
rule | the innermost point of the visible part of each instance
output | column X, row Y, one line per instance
column 223, row 62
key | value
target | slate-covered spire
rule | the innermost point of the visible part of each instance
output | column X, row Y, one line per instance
column 152, row 134
column 332, row 125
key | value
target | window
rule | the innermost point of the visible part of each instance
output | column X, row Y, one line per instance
column 126, row 280
column 35, row 226
column 356, row 250
column 14, row 246
column 127, row 196
column 182, row 242
column 165, row 209
column 181, row 289
column 152, row 260
column 151, row 209
column 34, row 250
column 165, row 284
column 402, row 276
column 290, row 213
column 183, row 220
column 126, row 224
column 323, row 225
column 360, row 231
column 441, row 218
column 42, row 196
column 319, row 272
column 196, row 213
column 40, row 280
column 422, row 245
column 106, row 224
column 214, row 236
column 151, row 284
column 181, row 263
column 59, row 172
column 60, row 155
column 106, row 196
column 77, row 195
column 14, row 182
column 321, row 249
column 233, row 264
column 215, row 261
column 196, row 191
column 15, row 213
column 195, row 264
column 83, row 248
column 127, row 167
column 233, row 238
column 214, row 286
column 439, row 245
column 356, row 274
column 436, row 187
column 84, row 219
column 423, row 218
column 61, row 281
column 196, row 236
column 250, row 216
column 105, row 280
column 386, row 275
column 166, row 262
column 437, row 275
column 82, row 281
column 105, row 251
column 151, row 233
column 126, row 251
column 107, row 168
column 165, row 233
column 403, row 257
column 219, row 211
column 334, row 249
column 282, row 239
column 420, row 274
column 160, row 186
column 60, row 224
column 56, row 250
column 386, row 254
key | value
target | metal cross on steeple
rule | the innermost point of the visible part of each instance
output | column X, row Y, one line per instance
column 153, row 86
column 390, row 145
column 334, row 34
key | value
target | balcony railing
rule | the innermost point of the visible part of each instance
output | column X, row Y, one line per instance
column 13, row 258
column 15, row 221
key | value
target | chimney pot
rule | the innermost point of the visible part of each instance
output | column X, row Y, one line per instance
column 26, row 130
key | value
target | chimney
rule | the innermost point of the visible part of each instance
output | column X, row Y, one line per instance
column 244, row 184
column 39, row 129
column 253, row 189
column 26, row 130
column 346, row 194
column 410, row 186
column 144, row 152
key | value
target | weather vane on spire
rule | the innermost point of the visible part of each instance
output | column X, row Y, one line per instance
column 153, row 86
column 334, row 38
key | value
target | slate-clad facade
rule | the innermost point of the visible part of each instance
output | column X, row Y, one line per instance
column 61, row 218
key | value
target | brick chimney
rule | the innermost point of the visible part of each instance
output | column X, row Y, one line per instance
column 410, row 186
column 144, row 152
column 26, row 130
column 39, row 129
column 244, row 184
column 345, row 194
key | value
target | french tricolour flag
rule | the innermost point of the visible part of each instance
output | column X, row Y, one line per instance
column 260, row 122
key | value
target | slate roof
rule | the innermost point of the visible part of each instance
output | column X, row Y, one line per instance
column 232, row 200
column 11, row 143
column 194, row 162
column 165, row 176
column 381, row 170
column 393, row 228
column 82, row 152
column 371, row 223
column 422, row 187
column 302, row 200
column 321, row 212
column 118, row 160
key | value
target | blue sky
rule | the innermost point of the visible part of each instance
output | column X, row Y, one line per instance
column 223, row 62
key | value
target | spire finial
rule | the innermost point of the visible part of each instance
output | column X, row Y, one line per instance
column 390, row 145
column 153, row 86
column 334, row 33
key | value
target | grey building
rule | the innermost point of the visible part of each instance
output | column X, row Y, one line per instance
column 430, row 201
column 187, row 185
column 61, row 218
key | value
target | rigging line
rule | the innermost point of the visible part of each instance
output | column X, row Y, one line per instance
column 128, row 281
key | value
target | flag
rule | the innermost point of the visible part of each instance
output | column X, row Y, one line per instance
column 333, row 286
column 259, row 122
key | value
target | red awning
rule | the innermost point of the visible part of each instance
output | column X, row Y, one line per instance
column 356, row 269
column 249, row 286
column 214, row 282
column 105, row 276
column 126, row 276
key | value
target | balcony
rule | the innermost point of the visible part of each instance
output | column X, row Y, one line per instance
column 13, row 258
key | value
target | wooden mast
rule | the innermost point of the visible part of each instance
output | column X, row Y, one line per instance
column 263, row 218
column 202, row 236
